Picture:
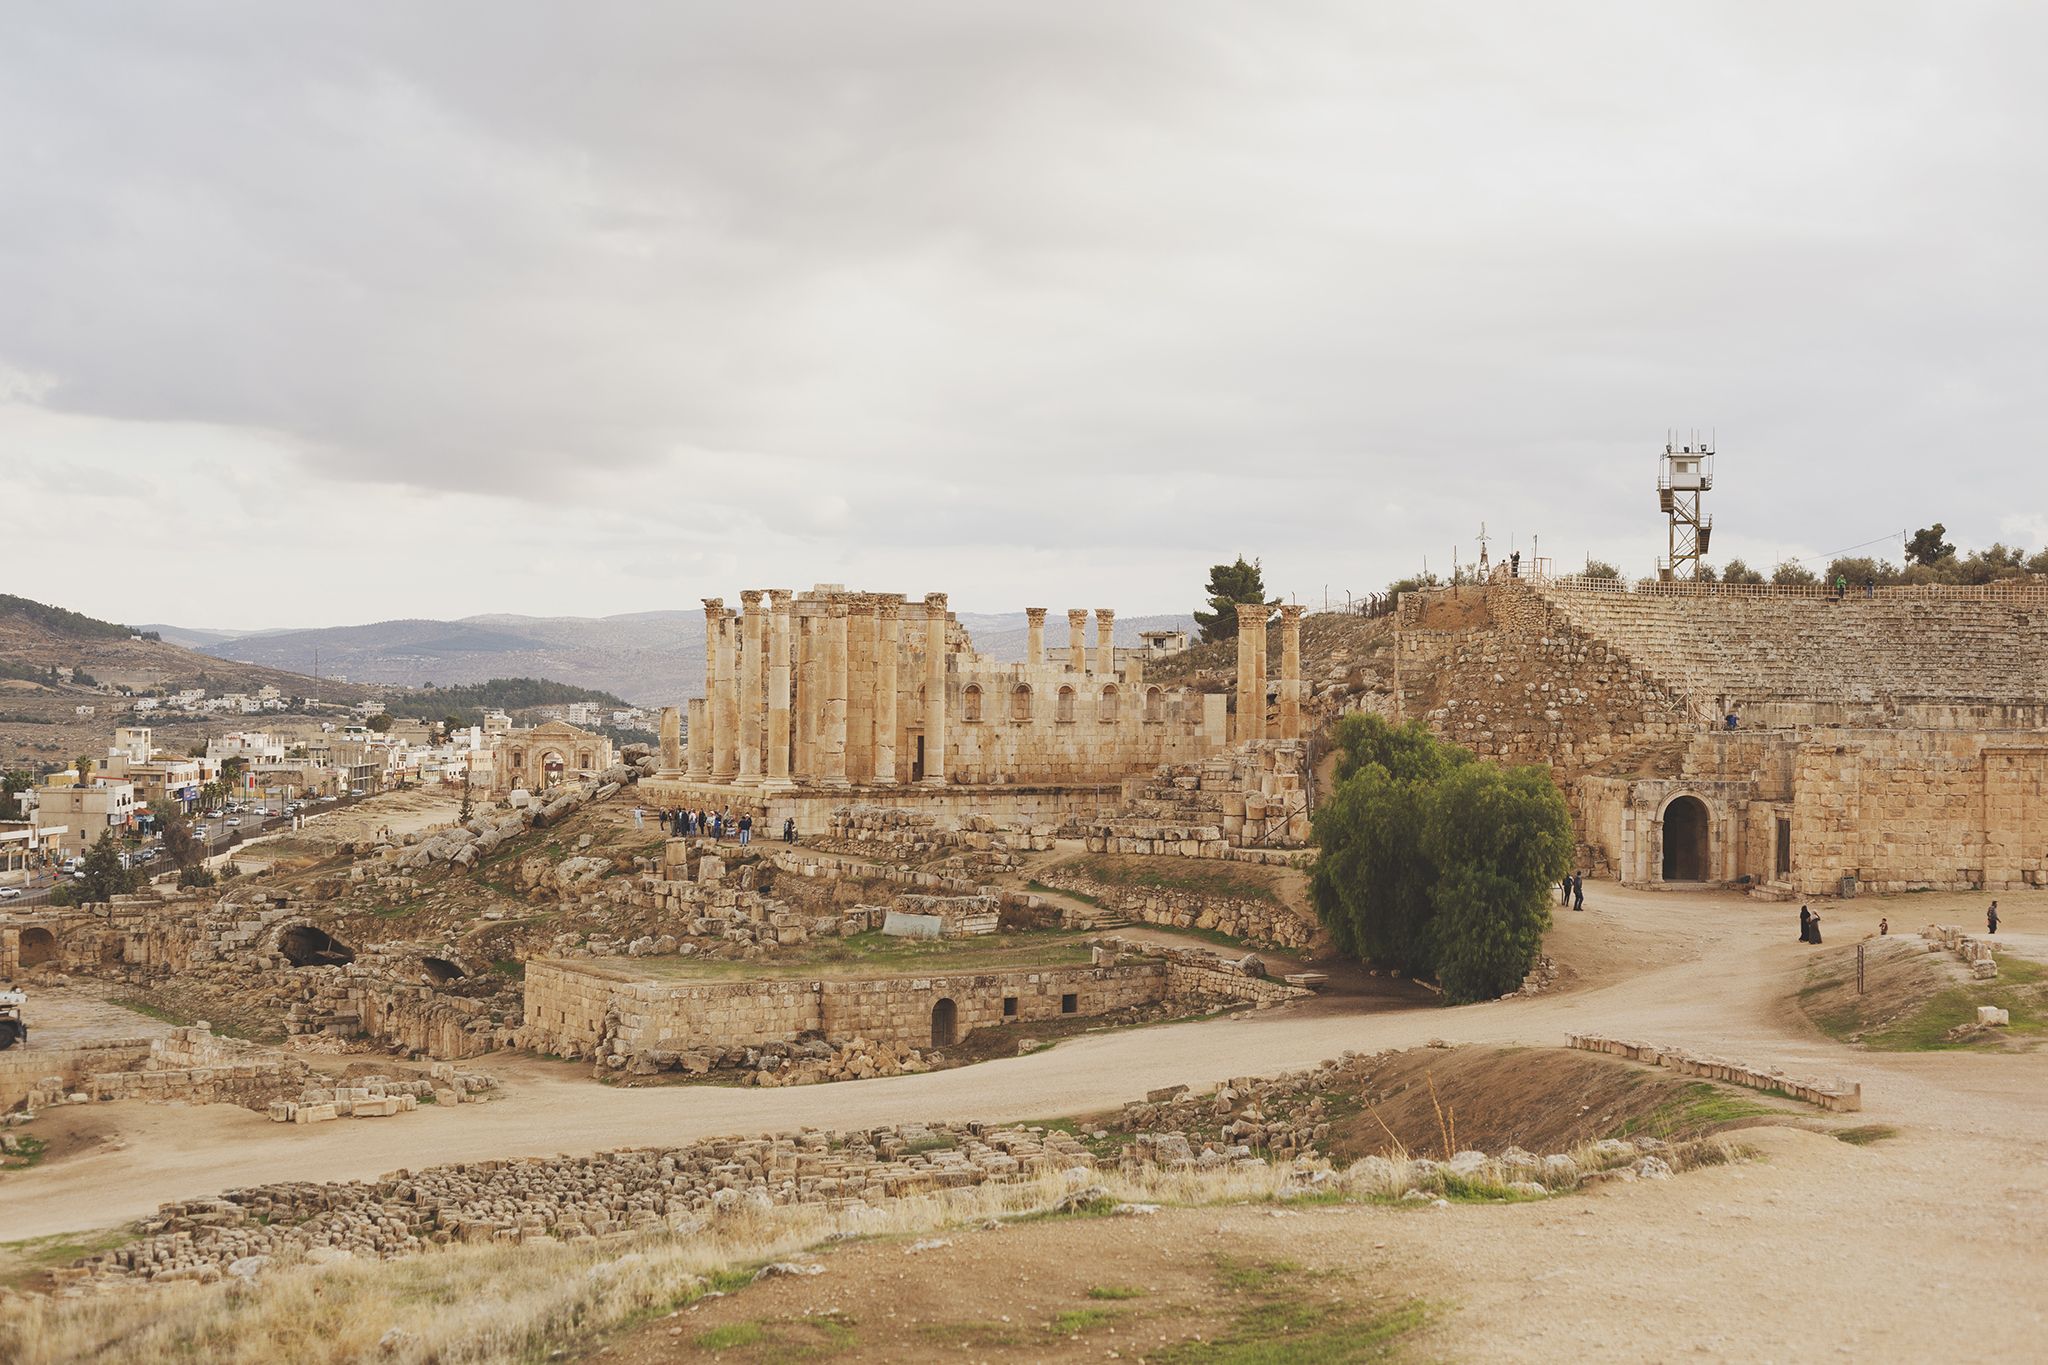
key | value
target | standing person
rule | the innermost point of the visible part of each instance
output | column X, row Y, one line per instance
column 746, row 830
column 1805, row 925
column 789, row 830
column 639, row 822
column 1564, row 894
column 1841, row 586
column 1884, row 927
column 1991, row 918
column 1814, row 928
column 1578, row 891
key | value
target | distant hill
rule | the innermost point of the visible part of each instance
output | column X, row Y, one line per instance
column 36, row 637
column 651, row 658
column 468, row 702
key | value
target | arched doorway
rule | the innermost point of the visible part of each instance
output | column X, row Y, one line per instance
column 305, row 946
column 440, row 970
column 551, row 767
column 1685, row 840
column 37, row 947
column 945, row 1023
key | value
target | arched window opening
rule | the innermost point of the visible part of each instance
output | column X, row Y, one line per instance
column 1064, row 711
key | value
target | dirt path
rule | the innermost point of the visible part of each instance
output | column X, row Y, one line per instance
column 1917, row 1246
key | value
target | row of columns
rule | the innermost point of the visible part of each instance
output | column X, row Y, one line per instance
column 1251, row 673
column 1077, row 638
column 809, row 691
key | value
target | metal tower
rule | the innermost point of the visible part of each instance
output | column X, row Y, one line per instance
column 1684, row 475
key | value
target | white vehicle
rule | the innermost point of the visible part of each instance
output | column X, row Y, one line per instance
column 8, row 893
column 234, row 820
column 12, row 1029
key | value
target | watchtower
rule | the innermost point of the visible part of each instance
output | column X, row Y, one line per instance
column 1684, row 475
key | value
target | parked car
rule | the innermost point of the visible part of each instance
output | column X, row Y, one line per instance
column 8, row 893
column 234, row 820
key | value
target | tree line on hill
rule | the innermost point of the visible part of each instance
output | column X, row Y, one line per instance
column 61, row 621
column 465, row 704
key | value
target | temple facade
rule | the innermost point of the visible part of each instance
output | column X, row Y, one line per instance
column 831, row 696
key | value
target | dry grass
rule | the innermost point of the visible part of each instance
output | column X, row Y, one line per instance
column 517, row 1303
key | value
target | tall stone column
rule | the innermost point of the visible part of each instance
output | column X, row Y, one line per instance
column 697, row 735
column 1034, row 636
column 834, row 746
column 1105, row 641
column 888, row 642
column 860, row 687
column 753, row 642
column 1290, row 672
column 671, row 741
column 804, row 709
column 725, row 730
column 1251, row 644
column 935, row 688
column 778, row 691
column 1259, row 727
column 714, row 614
column 1077, row 639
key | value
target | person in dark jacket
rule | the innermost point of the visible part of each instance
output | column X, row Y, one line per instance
column 1578, row 891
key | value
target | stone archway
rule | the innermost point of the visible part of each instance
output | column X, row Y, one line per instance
column 440, row 970
column 945, row 1023
column 37, row 947
column 1687, row 856
column 552, row 767
column 306, row 945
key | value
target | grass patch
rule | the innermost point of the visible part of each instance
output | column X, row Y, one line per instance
column 1700, row 1107
column 156, row 1012
column 732, row 1336
column 1113, row 1292
column 28, row 1151
column 1202, row 877
column 1283, row 1325
column 1075, row 1321
column 23, row 1261
column 1866, row 1134
column 509, row 967
column 876, row 953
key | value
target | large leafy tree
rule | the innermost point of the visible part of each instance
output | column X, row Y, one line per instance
column 1499, row 840
column 1435, row 864
column 102, row 875
column 1230, row 584
column 1927, row 547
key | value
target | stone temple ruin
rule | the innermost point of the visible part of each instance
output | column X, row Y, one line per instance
column 816, row 699
column 1893, row 739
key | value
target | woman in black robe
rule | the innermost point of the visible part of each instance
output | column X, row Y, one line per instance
column 1813, row 929
column 1805, row 925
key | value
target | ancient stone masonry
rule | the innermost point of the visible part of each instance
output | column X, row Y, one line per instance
column 1836, row 1095
column 1973, row 952
column 548, row 755
column 573, row 1199
column 882, row 695
column 1248, row 805
column 1895, row 740
column 1263, row 922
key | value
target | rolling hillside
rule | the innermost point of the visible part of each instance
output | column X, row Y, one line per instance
column 650, row 658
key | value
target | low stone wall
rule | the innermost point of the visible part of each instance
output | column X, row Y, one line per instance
column 581, row 1010
column 572, row 1199
column 37, row 1076
column 1195, row 973
column 1265, row 923
column 1839, row 1095
column 1973, row 951
column 837, row 866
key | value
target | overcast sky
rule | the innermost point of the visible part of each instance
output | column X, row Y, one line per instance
column 315, row 314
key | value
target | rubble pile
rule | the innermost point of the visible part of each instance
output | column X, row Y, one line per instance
column 568, row 1199
column 807, row 1060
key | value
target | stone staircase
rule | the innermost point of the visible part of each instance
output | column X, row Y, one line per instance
column 1896, row 647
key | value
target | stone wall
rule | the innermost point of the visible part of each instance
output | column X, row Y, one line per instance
column 34, row 1075
column 582, row 1010
column 1264, row 923
column 1845, row 1096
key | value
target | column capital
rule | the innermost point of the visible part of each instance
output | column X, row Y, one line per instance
column 888, row 606
column 1105, row 613
column 1291, row 613
column 935, row 604
column 1252, row 613
column 1036, row 615
column 750, row 598
column 1077, row 617
column 779, row 598
column 837, row 607
column 714, row 607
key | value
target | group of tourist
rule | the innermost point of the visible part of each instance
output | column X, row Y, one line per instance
column 1572, row 891
column 716, row 825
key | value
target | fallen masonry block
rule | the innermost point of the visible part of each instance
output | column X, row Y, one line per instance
column 1993, row 1016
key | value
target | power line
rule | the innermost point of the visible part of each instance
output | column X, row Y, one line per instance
column 1899, row 536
